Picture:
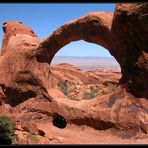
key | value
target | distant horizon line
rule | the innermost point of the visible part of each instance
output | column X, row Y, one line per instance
column 87, row 56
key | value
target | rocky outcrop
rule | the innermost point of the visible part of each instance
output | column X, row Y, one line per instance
column 129, row 27
column 22, row 77
column 11, row 29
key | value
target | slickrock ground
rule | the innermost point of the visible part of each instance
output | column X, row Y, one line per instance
column 64, row 104
column 100, row 118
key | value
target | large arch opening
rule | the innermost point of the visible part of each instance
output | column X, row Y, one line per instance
column 84, row 71
column 86, row 56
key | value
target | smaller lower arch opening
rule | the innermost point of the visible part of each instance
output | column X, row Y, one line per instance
column 59, row 121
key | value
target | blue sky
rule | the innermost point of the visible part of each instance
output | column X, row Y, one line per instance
column 45, row 18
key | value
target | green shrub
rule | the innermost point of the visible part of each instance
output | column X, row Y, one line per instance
column 109, row 90
column 93, row 93
column 32, row 137
column 105, row 83
column 7, row 129
column 63, row 87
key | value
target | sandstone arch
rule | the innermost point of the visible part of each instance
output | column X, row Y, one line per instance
column 118, row 33
column 25, row 60
column 94, row 27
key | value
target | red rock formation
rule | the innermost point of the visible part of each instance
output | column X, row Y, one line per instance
column 11, row 29
column 129, row 26
column 21, row 72
column 123, row 34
